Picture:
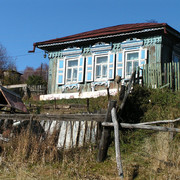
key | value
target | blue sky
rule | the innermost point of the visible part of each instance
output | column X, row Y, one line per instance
column 24, row 22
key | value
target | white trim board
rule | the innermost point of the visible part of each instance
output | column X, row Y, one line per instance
column 83, row 95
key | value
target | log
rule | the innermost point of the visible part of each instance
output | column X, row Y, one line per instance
column 160, row 122
column 147, row 127
column 106, row 135
column 117, row 143
column 127, row 92
column 62, row 117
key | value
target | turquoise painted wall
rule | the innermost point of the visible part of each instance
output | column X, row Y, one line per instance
column 154, row 55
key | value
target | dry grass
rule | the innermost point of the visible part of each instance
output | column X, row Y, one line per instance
column 30, row 157
column 145, row 155
column 157, row 158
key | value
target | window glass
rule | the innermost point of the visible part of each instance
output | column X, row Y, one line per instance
column 75, row 74
column 98, row 71
column 135, row 65
column 72, row 69
column 69, row 75
column 101, row 67
column 72, row 63
column 129, row 68
column 102, row 59
column 133, row 56
column 104, row 70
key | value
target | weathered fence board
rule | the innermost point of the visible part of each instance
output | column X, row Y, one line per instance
column 117, row 142
column 139, row 126
column 169, row 76
column 62, row 117
column 106, row 135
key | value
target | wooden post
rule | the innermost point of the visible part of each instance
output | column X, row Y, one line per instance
column 117, row 143
column 54, row 103
column 30, row 125
column 178, row 75
column 106, row 135
column 88, row 105
column 173, row 77
column 108, row 94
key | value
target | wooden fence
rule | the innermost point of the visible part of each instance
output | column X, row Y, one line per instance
column 159, row 75
column 72, row 130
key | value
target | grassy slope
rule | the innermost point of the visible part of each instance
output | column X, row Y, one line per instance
column 145, row 154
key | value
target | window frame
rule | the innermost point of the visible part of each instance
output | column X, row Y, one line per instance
column 134, row 60
column 72, row 68
column 95, row 67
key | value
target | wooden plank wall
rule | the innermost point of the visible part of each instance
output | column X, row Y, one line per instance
column 155, row 77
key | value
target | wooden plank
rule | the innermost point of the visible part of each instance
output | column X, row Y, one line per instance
column 52, row 127
column 62, row 135
column 168, row 81
column 106, row 135
column 82, row 133
column 165, row 74
column 160, row 122
column 47, row 126
column 128, row 91
column 68, row 141
column 94, row 132
column 178, row 75
column 88, row 132
column 117, row 143
column 170, row 75
column 62, row 117
column 175, row 78
column 75, row 133
column 147, row 127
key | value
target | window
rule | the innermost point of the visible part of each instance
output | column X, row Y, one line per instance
column 101, row 67
column 132, row 62
column 72, row 70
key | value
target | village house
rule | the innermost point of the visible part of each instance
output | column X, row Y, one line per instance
column 10, row 77
column 84, row 65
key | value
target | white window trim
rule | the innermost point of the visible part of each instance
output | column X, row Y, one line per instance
column 125, row 63
column 125, row 52
column 66, row 65
column 95, row 58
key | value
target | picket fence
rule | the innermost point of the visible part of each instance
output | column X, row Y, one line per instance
column 158, row 75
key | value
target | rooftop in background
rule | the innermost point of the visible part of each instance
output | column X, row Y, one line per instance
column 108, row 32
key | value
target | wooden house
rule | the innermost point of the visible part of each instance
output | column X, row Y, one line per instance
column 84, row 65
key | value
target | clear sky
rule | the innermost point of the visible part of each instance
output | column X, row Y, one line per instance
column 24, row 22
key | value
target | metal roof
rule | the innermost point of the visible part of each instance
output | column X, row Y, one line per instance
column 11, row 100
column 108, row 32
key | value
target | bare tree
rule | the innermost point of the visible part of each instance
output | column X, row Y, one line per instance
column 41, row 71
column 6, row 61
column 29, row 71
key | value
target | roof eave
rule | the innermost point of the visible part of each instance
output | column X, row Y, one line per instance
column 44, row 46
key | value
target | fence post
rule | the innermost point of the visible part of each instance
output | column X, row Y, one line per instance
column 106, row 135
column 87, row 102
column 178, row 75
column 117, row 143
column 175, row 77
